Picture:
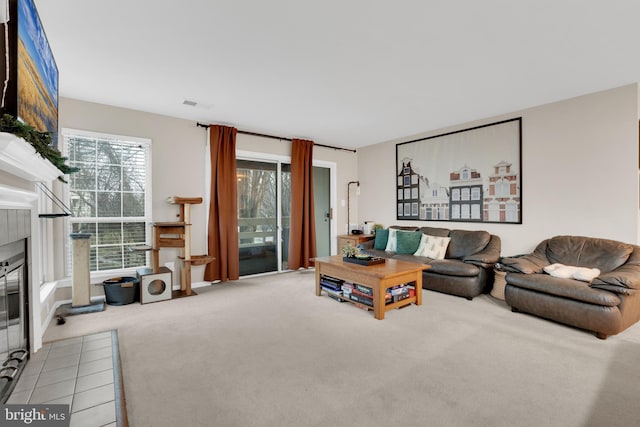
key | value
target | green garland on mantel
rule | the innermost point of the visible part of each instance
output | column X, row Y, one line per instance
column 40, row 141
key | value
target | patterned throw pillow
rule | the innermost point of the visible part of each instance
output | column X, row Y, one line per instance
column 407, row 241
column 381, row 239
column 432, row 247
column 391, row 242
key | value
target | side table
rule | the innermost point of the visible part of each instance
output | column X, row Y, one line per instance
column 353, row 240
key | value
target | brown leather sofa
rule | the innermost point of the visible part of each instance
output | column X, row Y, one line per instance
column 467, row 269
column 606, row 305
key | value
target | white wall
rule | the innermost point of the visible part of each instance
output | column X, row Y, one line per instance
column 178, row 162
column 580, row 168
column 178, row 150
column 579, row 172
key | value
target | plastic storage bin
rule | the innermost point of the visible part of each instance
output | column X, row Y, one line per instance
column 121, row 290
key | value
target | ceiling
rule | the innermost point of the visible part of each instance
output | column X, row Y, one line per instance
column 349, row 73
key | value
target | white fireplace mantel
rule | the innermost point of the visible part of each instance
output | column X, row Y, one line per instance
column 19, row 158
column 24, row 168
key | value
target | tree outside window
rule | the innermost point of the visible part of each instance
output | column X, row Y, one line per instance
column 109, row 197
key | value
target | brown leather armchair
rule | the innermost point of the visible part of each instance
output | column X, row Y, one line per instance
column 606, row 305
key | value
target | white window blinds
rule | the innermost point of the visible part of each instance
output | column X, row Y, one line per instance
column 110, row 196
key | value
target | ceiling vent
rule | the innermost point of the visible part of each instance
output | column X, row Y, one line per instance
column 196, row 104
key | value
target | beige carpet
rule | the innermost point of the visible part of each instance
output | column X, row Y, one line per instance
column 268, row 352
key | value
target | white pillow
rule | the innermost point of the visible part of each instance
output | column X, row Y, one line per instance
column 432, row 247
column 583, row 274
column 559, row 270
column 586, row 274
column 392, row 243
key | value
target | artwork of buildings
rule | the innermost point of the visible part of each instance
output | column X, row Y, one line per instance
column 502, row 201
column 466, row 198
column 466, row 194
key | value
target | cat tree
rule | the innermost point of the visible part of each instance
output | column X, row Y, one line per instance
column 178, row 235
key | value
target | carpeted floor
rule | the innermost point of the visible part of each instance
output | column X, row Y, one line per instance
column 268, row 352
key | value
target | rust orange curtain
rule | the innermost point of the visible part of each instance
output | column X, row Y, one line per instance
column 223, row 206
column 302, row 229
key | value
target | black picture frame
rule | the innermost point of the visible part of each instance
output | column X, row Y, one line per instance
column 469, row 175
column 30, row 70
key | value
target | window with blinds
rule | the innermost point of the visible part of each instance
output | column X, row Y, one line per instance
column 110, row 197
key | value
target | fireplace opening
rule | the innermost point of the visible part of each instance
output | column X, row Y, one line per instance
column 14, row 319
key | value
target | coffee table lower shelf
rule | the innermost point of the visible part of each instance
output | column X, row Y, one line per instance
column 391, row 306
column 379, row 278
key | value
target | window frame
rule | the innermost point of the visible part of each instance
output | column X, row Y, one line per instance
column 147, row 143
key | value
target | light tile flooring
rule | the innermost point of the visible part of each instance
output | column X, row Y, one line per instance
column 79, row 372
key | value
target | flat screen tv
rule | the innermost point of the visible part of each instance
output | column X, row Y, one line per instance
column 32, row 89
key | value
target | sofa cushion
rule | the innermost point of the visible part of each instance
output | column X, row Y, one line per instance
column 566, row 288
column 404, row 227
column 433, row 231
column 407, row 241
column 432, row 247
column 380, row 243
column 603, row 254
column 453, row 267
column 378, row 253
column 410, row 258
column 464, row 243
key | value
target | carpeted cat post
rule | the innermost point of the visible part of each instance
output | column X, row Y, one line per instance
column 81, row 285
column 81, row 281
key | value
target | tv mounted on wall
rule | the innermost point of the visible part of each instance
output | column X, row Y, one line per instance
column 30, row 70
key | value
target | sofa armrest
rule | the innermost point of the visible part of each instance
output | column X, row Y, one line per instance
column 526, row 264
column 619, row 290
column 624, row 279
column 530, row 263
column 367, row 245
column 625, row 276
column 487, row 257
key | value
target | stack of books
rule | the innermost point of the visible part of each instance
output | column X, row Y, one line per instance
column 347, row 288
column 332, row 286
column 400, row 292
column 362, row 296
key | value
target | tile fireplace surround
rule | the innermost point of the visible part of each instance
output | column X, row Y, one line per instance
column 21, row 168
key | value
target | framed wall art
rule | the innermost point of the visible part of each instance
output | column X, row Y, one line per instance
column 470, row 175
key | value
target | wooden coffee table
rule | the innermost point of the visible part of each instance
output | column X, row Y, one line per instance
column 379, row 277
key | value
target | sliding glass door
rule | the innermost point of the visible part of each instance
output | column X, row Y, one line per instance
column 264, row 205
column 322, row 206
column 263, row 215
column 285, row 212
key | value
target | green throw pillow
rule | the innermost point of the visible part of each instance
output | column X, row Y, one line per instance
column 408, row 241
column 382, row 235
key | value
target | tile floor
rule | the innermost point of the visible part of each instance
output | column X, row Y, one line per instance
column 80, row 372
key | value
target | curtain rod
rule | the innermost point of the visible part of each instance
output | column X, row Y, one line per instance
column 202, row 125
